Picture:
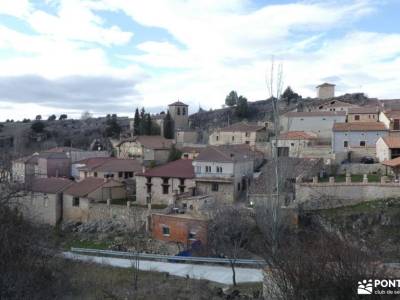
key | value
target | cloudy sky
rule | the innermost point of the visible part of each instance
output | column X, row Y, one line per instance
column 109, row 56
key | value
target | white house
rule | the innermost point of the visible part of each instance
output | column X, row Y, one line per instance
column 318, row 122
column 388, row 148
column 293, row 143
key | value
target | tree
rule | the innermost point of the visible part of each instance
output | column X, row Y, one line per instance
column 148, row 125
column 38, row 117
column 26, row 120
column 38, row 126
column 289, row 96
column 242, row 108
column 63, row 117
column 231, row 99
column 229, row 232
column 136, row 123
column 142, row 121
column 168, row 127
column 51, row 118
column 112, row 127
column 86, row 115
column 174, row 153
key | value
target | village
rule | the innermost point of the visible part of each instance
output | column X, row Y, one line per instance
column 333, row 154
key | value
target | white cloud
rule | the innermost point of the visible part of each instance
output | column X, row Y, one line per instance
column 16, row 8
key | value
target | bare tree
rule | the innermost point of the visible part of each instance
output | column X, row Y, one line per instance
column 229, row 233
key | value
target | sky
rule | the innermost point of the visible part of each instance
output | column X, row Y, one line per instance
column 111, row 56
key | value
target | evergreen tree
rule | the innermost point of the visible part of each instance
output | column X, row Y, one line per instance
column 289, row 95
column 174, row 153
column 136, row 123
column 231, row 99
column 38, row 126
column 242, row 108
column 142, row 121
column 148, row 125
column 113, row 129
column 168, row 127
column 63, row 117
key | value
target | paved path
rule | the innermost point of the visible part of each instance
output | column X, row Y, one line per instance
column 213, row 273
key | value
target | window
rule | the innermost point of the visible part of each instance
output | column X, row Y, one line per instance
column 186, row 155
column 192, row 235
column 85, row 174
column 208, row 169
column 362, row 143
column 357, row 117
column 75, row 201
column 214, row 187
column 345, row 144
column 238, row 186
column 181, row 185
column 292, row 144
column 178, row 111
column 183, row 111
column 165, row 230
column 128, row 174
column 198, row 169
column 217, row 138
column 247, row 134
column 165, row 186
column 120, row 174
column 148, row 184
column 219, row 169
column 396, row 124
column 233, row 138
column 247, row 142
column 95, row 174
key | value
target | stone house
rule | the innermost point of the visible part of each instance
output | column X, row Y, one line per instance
column 24, row 169
column 387, row 148
column 293, row 143
column 363, row 114
column 187, row 230
column 43, row 200
column 352, row 140
column 318, row 122
column 146, row 149
column 391, row 119
column 162, row 184
column 54, row 164
column 239, row 133
column 325, row 91
column 225, row 172
column 183, row 137
column 191, row 152
column 78, row 196
column 108, row 167
column 330, row 105
column 291, row 169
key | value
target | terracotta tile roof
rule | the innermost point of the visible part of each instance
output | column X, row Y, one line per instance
column 191, row 149
column 326, row 84
column 110, row 164
column 178, row 103
column 392, row 163
column 182, row 168
column 53, row 155
column 87, row 186
column 227, row 153
column 64, row 149
column 242, row 127
column 364, row 110
column 359, row 126
column 298, row 114
column 51, row 185
column 297, row 135
column 393, row 114
column 150, row 141
column 392, row 141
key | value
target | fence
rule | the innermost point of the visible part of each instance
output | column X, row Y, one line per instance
column 159, row 257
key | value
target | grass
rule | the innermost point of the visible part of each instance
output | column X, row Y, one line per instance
column 354, row 178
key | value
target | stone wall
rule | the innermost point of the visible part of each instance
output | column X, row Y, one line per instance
column 330, row 195
column 360, row 169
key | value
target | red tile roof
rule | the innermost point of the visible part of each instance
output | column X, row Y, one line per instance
column 110, row 164
column 392, row 163
column 294, row 114
column 178, row 103
column 392, row 141
column 182, row 168
column 150, row 141
column 228, row 153
column 87, row 186
column 359, row 126
column 51, row 185
column 297, row 135
column 364, row 110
